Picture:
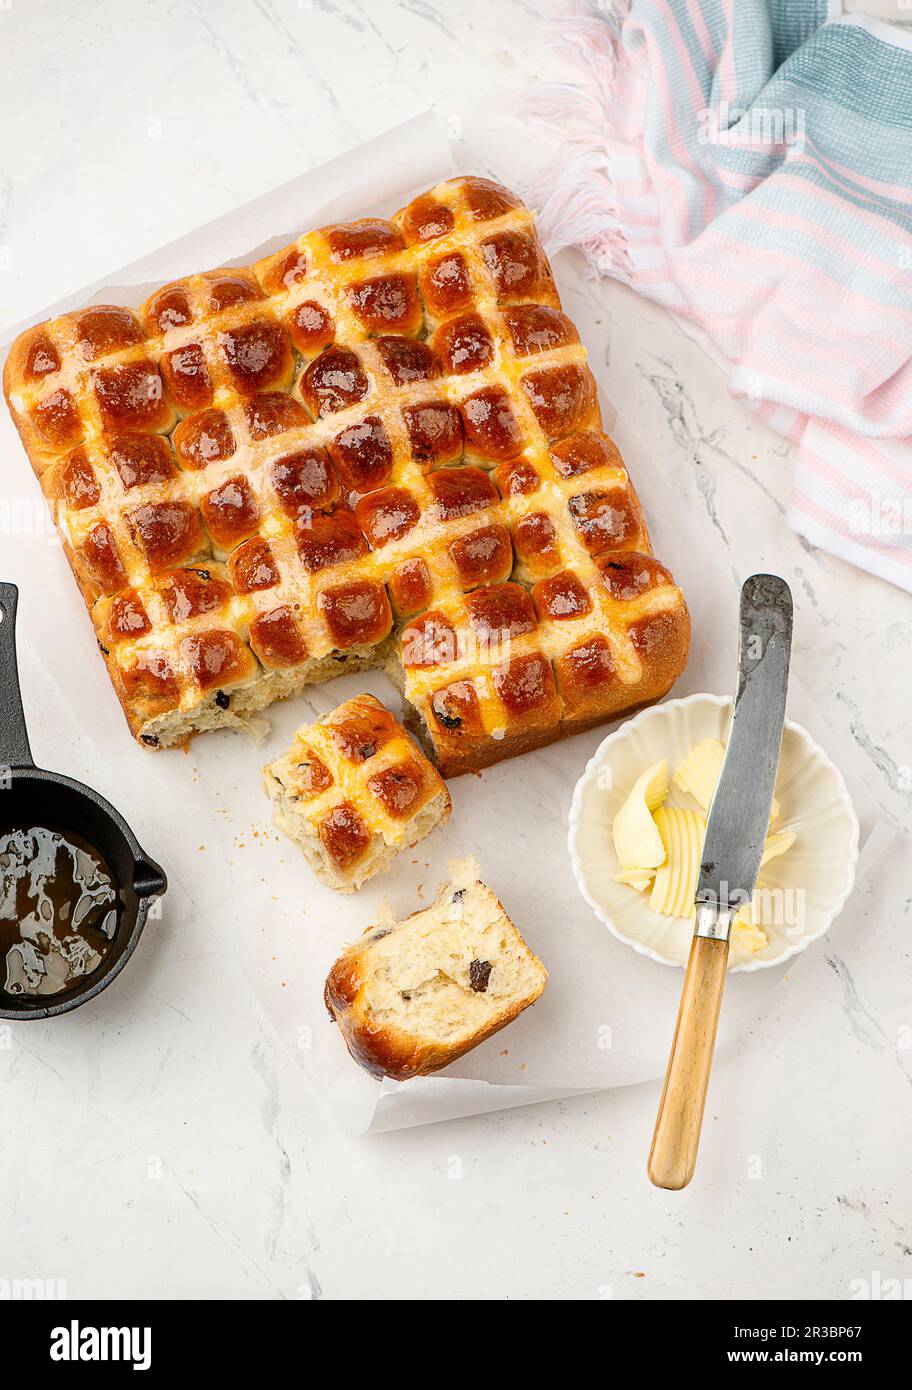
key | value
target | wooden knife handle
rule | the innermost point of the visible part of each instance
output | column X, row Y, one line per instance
column 673, row 1155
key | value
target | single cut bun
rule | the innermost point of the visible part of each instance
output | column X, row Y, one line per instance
column 412, row 997
column 353, row 791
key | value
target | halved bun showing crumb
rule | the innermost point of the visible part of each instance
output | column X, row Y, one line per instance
column 412, row 997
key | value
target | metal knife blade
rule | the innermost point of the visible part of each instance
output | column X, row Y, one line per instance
column 738, row 819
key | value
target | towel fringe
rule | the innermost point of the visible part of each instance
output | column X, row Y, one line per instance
column 576, row 197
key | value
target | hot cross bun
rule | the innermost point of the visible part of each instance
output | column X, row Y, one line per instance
column 379, row 446
column 412, row 997
column 354, row 791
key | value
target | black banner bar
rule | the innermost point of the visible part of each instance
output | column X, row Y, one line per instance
column 142, row 1339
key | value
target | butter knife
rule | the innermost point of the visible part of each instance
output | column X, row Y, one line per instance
column 736, row 830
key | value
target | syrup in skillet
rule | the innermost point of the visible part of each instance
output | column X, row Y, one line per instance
column 59, row 908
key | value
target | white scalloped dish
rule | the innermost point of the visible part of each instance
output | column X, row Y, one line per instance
column 811, row 881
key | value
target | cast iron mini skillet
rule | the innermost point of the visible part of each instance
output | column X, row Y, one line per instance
column 32, row 796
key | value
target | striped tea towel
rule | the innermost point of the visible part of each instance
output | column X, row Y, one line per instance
column 748, row 164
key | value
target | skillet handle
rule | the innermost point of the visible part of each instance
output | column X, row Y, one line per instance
column 14, row 743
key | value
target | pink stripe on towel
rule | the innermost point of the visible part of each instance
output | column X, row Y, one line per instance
column 788, row 246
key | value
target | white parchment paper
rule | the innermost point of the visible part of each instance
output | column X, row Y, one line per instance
column 607, row 1014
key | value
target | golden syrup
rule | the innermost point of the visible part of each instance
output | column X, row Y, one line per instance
column 59, row 908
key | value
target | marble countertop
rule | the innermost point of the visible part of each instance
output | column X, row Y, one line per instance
column 183, row 1156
